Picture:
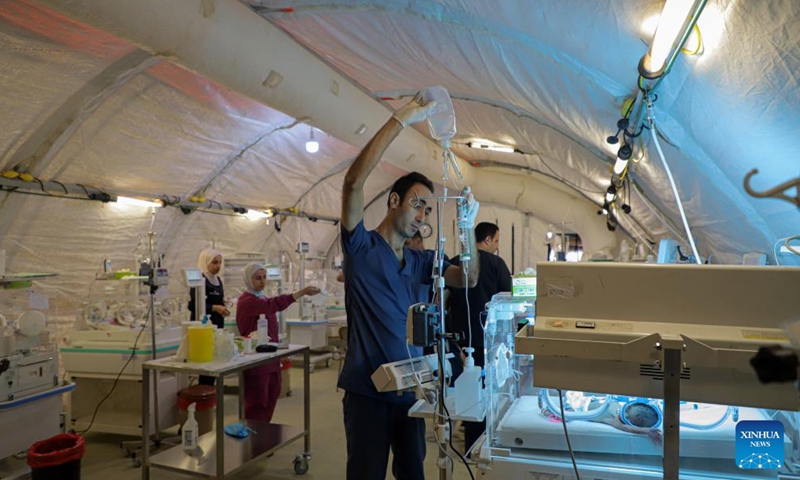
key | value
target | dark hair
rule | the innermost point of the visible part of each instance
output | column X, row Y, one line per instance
column 404, row 184
column 641, row 415
column 485, row 230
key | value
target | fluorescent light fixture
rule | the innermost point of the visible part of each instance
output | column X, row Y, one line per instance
column 256, row 214
column 676, row 19
column 619, row 166
column 484, row 144
column 312, row 146
column 611, row 194
column 623, row 155
column 135, row 202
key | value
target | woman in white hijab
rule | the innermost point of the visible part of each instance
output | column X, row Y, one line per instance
column 210, row 263
column 262, row 385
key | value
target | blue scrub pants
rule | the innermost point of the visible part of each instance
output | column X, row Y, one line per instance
column 373, row 426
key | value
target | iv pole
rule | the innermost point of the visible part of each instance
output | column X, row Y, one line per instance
column 441, row 427
column 153, row 287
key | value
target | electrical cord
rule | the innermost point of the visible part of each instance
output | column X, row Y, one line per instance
column 787, row 245
column 450, row 423
column 566, row 434
column 790, row 247
column 116, row 380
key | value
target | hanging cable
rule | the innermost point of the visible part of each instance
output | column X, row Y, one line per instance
column 654, row 134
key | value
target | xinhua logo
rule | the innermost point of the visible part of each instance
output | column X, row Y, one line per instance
column 759, row 444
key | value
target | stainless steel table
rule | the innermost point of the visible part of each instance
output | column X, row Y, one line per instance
column 224, row 455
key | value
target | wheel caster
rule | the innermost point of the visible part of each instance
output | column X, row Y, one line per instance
column 137, row 463
column 301, row 465
column 337, row 356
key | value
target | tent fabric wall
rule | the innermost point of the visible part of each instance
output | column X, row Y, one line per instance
column 196, row 116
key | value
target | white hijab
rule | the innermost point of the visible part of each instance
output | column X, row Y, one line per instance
column 206, row 257
column 249, row 271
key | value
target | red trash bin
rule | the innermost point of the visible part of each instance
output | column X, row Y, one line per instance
column 57, row 458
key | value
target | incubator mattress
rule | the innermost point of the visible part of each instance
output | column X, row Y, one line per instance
column 525, row 427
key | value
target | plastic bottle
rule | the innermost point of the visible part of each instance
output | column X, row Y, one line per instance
column 189, row 432
column 469, row 391
column 442, row 123
column 263, row 331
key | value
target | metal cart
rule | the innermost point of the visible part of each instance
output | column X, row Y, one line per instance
column 224, row 455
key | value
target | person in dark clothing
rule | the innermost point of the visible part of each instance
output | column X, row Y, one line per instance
column 210, row 263
column 383, row 279
column 494, row 278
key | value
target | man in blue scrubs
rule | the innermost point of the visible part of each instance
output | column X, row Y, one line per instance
column 383, row 279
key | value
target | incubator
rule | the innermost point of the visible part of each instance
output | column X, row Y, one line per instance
column 30, row 388
column 104, row 353
column 593, row 375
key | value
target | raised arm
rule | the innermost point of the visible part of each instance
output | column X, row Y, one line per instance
column 356, row 177
column 357, row 174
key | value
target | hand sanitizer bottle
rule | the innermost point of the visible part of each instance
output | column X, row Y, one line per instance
column 263, row 330
column 189, row 432
column 469, row 391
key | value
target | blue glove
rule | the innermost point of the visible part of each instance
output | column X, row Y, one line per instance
column 238, row 430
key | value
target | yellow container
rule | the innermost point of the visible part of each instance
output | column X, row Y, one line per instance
column 201, row 343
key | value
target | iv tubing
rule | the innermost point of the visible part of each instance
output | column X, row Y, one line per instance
column 654, row 134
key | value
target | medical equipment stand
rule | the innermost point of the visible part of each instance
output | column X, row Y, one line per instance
column 321, row 356
column 672, row 351
column 153, row 282
column 441, row 425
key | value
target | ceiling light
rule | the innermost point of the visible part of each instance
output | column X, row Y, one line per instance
column 611, row 194
column 677, row 18
column 135, row 202
column 312, row 146
column 490, row 146
column 619, row 166
column 256, row 214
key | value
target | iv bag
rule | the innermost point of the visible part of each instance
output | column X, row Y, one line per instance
column 442, row 123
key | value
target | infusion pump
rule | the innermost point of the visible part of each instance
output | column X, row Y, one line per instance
column 399, row 375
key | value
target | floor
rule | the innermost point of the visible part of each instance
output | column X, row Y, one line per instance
column 104, row 459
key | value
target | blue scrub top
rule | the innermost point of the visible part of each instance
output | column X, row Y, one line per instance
column 378, row 294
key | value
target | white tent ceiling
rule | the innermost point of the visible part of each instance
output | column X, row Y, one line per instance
column 154, row 97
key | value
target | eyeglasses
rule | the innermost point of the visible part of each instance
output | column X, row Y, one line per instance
column 417, row 204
